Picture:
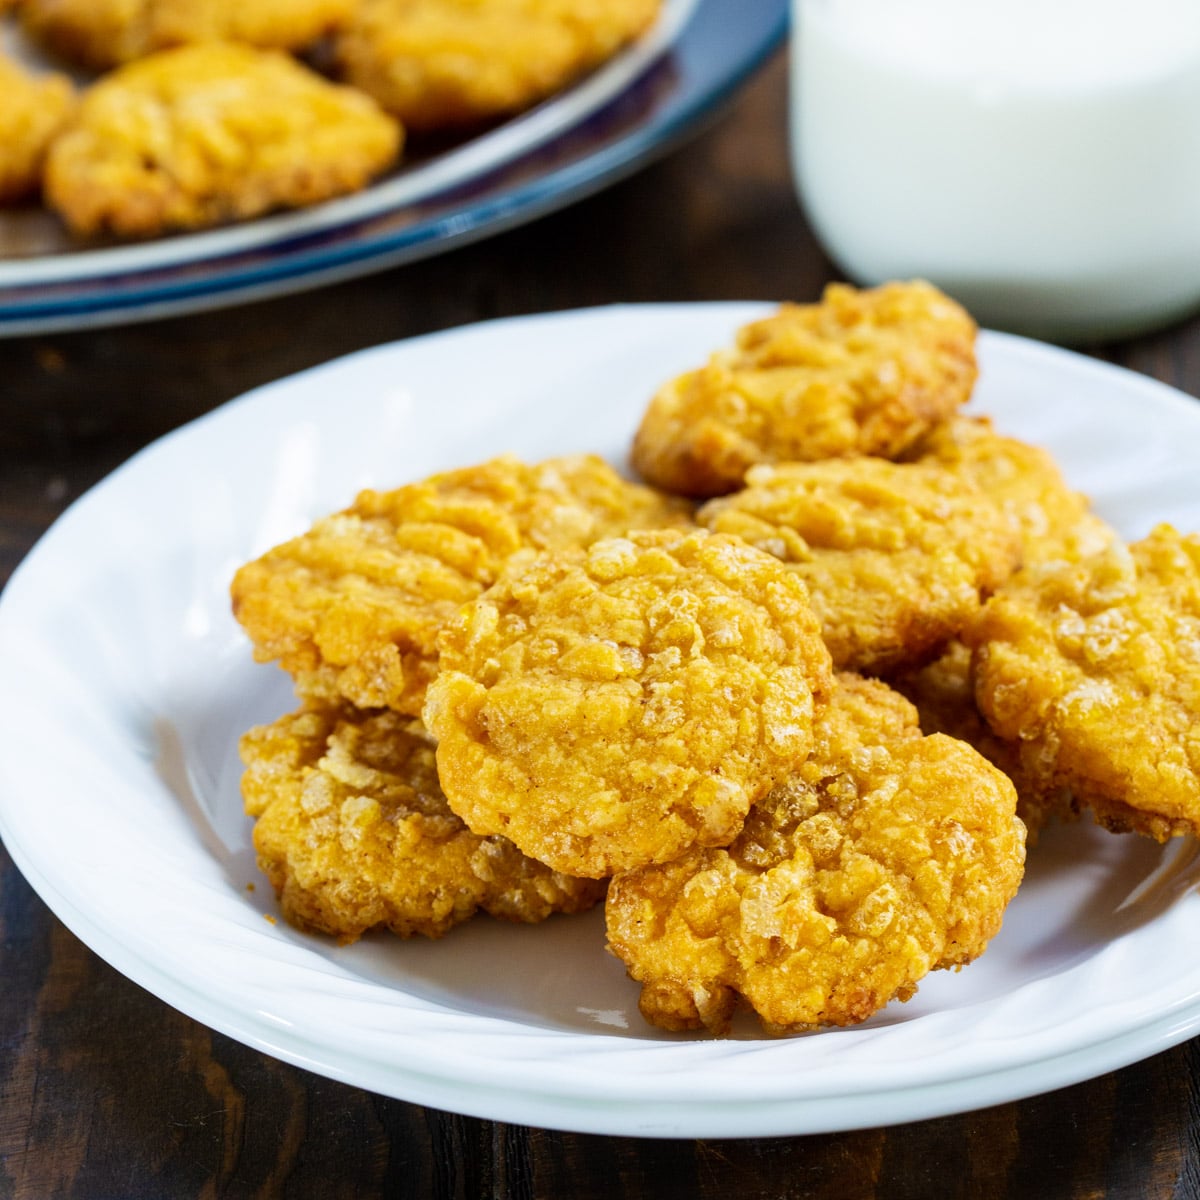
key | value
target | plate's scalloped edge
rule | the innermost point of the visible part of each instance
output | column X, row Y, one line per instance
column 566, row 1080
column 313, row 249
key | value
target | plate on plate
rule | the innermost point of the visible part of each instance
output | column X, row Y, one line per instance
column 124, row 684
column 639, row 105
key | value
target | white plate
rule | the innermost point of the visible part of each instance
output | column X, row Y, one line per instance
column 639, row 104
column 124, row 683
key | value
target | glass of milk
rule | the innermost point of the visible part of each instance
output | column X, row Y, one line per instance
column 1037, row 159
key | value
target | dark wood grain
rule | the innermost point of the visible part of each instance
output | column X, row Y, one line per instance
column 107, row 1092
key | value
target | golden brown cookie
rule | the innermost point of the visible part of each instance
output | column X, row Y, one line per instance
column 211, row 133
column 354, row 833
column 610, row 707
column 885, row 856
column 1053, row 522
column 1094, row 669
column 440, row 64
column 33, row 109
column 895, row 555
column 1052, row 519
column 104, row 33
column 353, row 607
column 863, row 372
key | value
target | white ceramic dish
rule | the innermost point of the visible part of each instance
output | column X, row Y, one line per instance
column 636, row 106
column 124, row 684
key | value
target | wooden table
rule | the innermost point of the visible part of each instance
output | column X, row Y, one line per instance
column 105, row 1091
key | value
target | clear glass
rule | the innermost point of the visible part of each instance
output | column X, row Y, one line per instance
column 1038, row 159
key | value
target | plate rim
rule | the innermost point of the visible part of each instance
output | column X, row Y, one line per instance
column 524, row 133
column 632, row 1117
column 753, row 1117
column 346, row 251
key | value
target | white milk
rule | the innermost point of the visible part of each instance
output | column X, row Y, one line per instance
column 1038, row 159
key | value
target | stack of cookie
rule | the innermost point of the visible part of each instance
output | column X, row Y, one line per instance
column 797, row 702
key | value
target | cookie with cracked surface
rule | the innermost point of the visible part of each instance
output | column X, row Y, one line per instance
column 352, row 608
column 610, row 707
column 105, row 33
column 354, row 833
column 211, row 133
column 895, row 555
column 862, row 372
column 1051, row 518
column 444, row 64
column 1093, row 668
column 885, row 856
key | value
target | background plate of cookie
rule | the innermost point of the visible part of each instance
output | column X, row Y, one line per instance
column 637, row 105
column 125, row 682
